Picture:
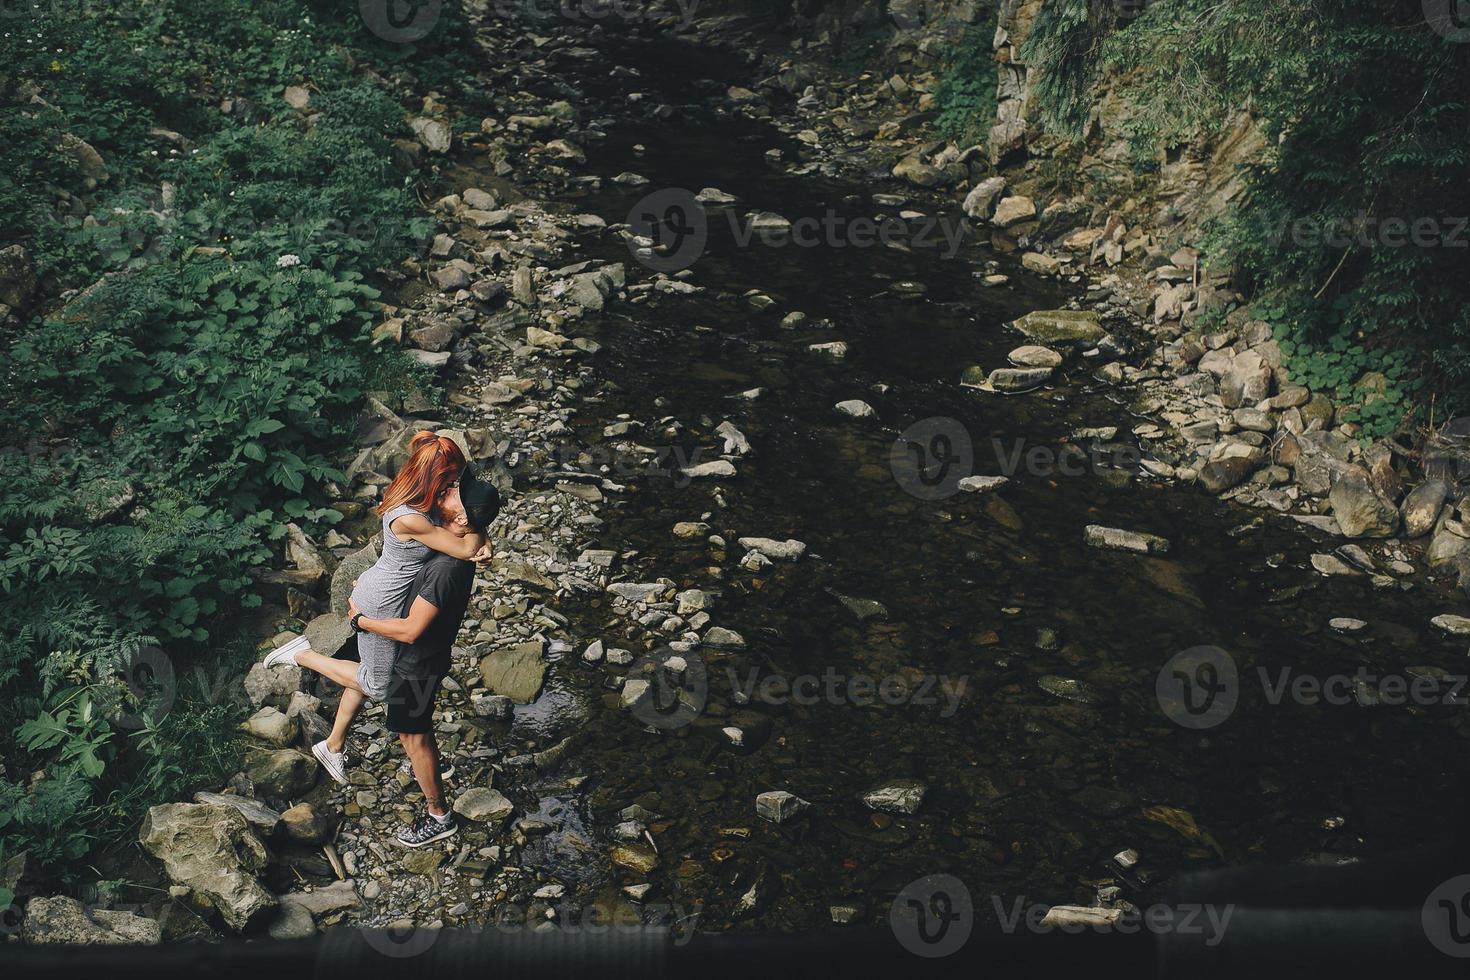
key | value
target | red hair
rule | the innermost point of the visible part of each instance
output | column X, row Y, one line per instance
column 434, row 463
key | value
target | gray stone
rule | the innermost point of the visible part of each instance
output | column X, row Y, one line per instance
column 1062, row 326
column 272, row 726
column 261, row 818
column 1013, row 210
column 1453, row 625
column 1018, row 379
column 980, row 203
column 788, row 550
column 1421, row 508
column 1117, row 539
column 896, row 796
column 64, row 921
column 1360, row 511
column 516, row 672
column 213, row 851
column 281, row 774
column 1034, row 356
column 484, row 805
column 779, row 806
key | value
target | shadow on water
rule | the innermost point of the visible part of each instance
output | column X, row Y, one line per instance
column 1058, row 755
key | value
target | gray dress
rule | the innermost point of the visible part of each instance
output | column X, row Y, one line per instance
column 381, row 593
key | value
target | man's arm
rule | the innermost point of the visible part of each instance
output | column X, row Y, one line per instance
column 405, row 630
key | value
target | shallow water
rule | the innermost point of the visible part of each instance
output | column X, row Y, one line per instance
column 1029, row 793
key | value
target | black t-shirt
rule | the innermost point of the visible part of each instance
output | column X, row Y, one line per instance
column 444, row 582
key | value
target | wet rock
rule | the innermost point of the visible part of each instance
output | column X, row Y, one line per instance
column 484, row 805
column 1360, row 511
column 638, row 858
column 281, row 774
column 714, row 469
column 735, row 442
column 1450, row 544
column 1220, row 475
column 64, row 921
column 1453, row 625
column 982, row 484
column 864, row 609
column 1074, row 917
column 638, row 591
column 856, row 408
column 788, row 550
column 271, row 725
column 1061, row 326
column 291, row 921
column 212, row 850
column 1346, row 624
column 1331, row 565
column 721, row 638
column 1117, row 539
column 920, row 174
column 713, row 195
column 834, row 350
column 1033, row 356
column 779, row 806
column 896, row 796
column 516, row 672
column 1421, row 508
column 1018, row 379
column 980, row 203
column 306, row 825
column 1012, row 211
column 262, row 819
column 1041, row 264
column 1067, row 688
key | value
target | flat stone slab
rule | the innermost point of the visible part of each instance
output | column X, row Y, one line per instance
column 1061, row 326
column 1117, row 539
column 515, row 672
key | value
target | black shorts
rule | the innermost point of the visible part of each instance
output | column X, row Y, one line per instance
column 410, row 703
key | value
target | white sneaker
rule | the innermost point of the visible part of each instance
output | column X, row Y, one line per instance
column 286, row 653
column 406, row 767
column 335, row 763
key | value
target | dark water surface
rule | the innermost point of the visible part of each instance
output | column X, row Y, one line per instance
column 1029, row 793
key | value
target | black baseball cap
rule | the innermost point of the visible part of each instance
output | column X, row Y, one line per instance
column 480, row 498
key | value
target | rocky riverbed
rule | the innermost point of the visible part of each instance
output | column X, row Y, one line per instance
column 828, row 567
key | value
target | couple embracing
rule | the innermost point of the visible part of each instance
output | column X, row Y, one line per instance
column 405, row 613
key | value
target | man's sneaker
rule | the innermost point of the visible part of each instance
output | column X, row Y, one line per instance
column 406, row 767
column 335, row 763
column 426, row 830
column 286, row 653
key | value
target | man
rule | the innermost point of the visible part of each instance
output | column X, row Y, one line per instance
column 425, row 633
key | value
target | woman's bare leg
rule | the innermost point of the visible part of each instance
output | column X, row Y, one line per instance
column 343, row 672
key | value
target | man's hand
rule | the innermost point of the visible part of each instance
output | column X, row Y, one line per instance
column 484, row 555
column 352, row 609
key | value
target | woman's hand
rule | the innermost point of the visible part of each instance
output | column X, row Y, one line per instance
column 352, row 609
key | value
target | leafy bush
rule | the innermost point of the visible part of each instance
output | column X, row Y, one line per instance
column 1365, row 110
column 967, row 87
column 194, row 395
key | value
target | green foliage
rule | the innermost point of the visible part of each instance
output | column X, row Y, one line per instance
column 164, row 423
column 967, row 86
column 1365, row 113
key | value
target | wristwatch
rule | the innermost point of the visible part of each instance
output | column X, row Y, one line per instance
column 353, row 623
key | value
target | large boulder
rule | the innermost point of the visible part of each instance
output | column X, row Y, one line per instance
column 347, row 572
column 327, row 634
column 1062, row 326
column 1360, row 511
column 213, row 851
column 1421, row 507
column 281, row 773
column 515, row 672
column 1246, row 381
column 64, row 921
column 272, row 685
